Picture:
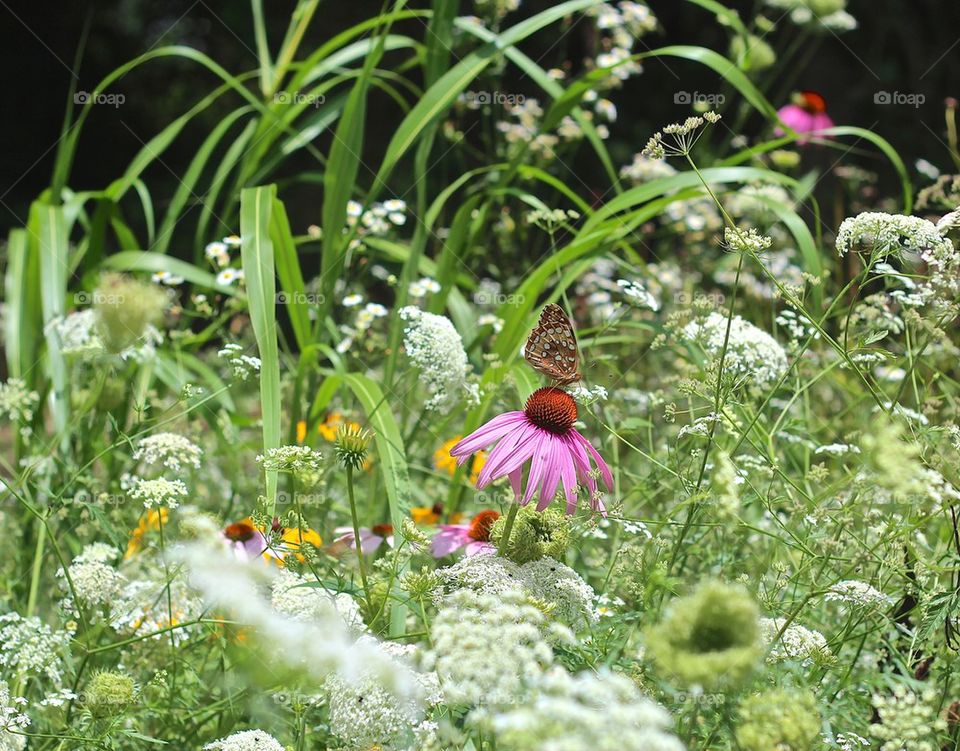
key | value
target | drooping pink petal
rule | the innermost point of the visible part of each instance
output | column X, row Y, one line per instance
column 485, row 435
column 516, row 478
column 601, row 464
column 551, row 478
column 568, row 474
column 512, row 451
column 538, row 465
column 475, row 547
column 582, row 463
column 451, row 537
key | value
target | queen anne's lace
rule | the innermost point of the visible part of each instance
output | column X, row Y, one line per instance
column 435, row 347
column 246, row 740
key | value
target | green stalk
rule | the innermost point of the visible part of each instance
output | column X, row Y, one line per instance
column 356, row 537
column 508, row 528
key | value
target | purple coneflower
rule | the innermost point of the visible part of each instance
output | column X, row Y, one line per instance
column 371, row 538
column 246, row 541
column 542, row 433
column 475, row 536
column 806, row 114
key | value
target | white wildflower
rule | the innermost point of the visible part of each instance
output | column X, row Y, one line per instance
column 243, row 365
column 159, row 492
column 858, row 593
column 796, row 643
column 305, row 599
column 246, row 740
column 169, row 450
column 435, row 347
column 296, row 459
column 17, row 402
column 28, row 645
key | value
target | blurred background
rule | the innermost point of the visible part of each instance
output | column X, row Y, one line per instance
column 908, row 47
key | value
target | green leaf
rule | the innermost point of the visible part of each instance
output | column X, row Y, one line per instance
column 256, row 251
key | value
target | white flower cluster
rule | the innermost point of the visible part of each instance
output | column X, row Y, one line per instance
column 169, row 450
column 908, row 722
column 678, row 139
column 858, row 593
column 143, row 607
column 95, row 581
column 27, row 645
column 362, row 321
column 376, row 220
column 637, row 294
column 643, row 169
column 364, row 714
column 78, row 335
column 829, row 15
column 246, row 740
column 600, row 712
column 544, row 580
column 291, row 459
column 435, row 347
column 623, row 24
column 496, row 9
column 299, row 597
column 159, row 492
column 488, row 649
column 796, row 643
column 422, row 287
column 753, row 356
column 12, row 717
column 242, row 365
column 746, row 240
column 17, row 402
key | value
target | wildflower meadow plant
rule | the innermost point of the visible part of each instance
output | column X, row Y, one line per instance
column 394, row 378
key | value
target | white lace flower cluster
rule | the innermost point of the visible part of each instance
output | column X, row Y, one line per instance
column 601, row 712
column 12, row 717
column 557, row 585
column 28, row 645
column 95, row 581
column 169, row 450
column 294, row 459
column 17, row 402
column 797, row 642
column 246, row 740
column 305, row 599
column 830, row 15
column 746, row 240
column 365, row 714
column 374, row 220
column 622, row 24
column 488, row 649
column 678, row 139
column 858, row 593
column 908, row 721
column 159, row 492
column 143, row 607
column 895, row 234
column 752, row 356
column 241, row 365
column 435, row 347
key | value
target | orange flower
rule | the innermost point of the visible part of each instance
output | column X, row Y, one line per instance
column 428, row 515
column 301, row 430
column 328, row 428
column 446, row 463
column 149, row 522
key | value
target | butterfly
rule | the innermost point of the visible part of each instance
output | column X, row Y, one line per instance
column 551, row 348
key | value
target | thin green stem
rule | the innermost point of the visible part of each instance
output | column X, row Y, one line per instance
column 356, row 537
column 508, row 528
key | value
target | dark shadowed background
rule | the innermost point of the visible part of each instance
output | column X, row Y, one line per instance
column 907, row 47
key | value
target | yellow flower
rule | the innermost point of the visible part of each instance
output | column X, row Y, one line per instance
column 446, row 463
column 148, row 522
column 329, row 427
column 301, row 430
column 428, row 515
column 291, row 540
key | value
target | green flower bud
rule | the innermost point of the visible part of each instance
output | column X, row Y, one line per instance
column 535, row 534
column 710, row 638
column 826, row 7
column 779, row 719
column 754, row 56
column 784, row 159
column 351, row 445
column 108, row 693
column 124, row 307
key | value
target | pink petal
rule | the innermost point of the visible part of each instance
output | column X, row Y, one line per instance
column 538, row 464
column 480, row 548
column 568, row 473
column 601, row 464
column 552, row 475
column 504, row 454
column 369, row 543
column 451, row 537
column 821, row 121
column 485, row 435
column 582, row 462
column 516, row 478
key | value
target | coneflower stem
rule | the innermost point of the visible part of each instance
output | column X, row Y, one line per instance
column 356, row 536
column 508, row 528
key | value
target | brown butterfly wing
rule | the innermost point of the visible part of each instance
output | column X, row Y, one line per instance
column 551, row 348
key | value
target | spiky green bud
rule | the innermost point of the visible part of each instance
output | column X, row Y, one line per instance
column 535, row 534
column 124, row 307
